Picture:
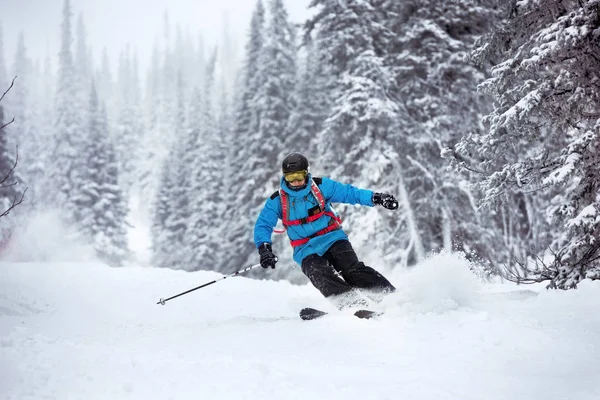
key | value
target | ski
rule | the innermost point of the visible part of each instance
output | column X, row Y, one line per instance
column 311, row 313
column 308, row 314
column 366, row 314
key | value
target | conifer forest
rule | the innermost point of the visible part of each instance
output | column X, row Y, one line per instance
column 482, row 117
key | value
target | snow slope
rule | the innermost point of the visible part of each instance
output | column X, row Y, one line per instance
column 87, row 331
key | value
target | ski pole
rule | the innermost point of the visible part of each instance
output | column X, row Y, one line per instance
column 163, row 301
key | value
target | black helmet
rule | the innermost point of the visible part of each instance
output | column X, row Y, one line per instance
column 294, row 162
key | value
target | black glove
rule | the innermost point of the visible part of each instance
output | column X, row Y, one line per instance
column 386, row 200
column 267, row 258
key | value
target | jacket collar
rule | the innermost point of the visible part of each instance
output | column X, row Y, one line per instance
column 296, row 193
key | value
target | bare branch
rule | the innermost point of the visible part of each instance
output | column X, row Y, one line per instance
column 8, row 90
column 7, row 124
column 16, row 201
column 14, row 204
column 541, row 273
column 11, row 170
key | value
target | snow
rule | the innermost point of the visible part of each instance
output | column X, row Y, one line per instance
column 87, row 331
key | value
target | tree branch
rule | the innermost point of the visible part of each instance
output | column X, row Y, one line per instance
column 16, row 201
column 14, row 204
column 11, row 170
column 10, row 87
column 7, row 124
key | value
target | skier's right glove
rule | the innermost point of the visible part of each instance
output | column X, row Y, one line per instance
column 386, row 200
column 267, row 258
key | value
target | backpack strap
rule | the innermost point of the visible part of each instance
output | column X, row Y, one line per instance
column 316, row 192
column 334, row 224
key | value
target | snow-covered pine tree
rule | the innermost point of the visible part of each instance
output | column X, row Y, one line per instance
column 313, row 101
column 63, row 180
column 271, row 106
column 104, row 79
column 435, row 86
column 28, row 131
column 129, row 126
column 544, row 132
column 274, row 101
column 251, row 84
column 225, row 123
column 178, row 219
column 112, row 244
column 146, row 187
column 17, row 102
column 228, row 60
column 47, row 92
column 83, row 62
column 7, row 156
column 356, row 139
column 103, row 213
column 9, row 194
column 172, row 209
column 192, row 147
column 238, row 242
column 162, row 234
column 161, row 114
column 206, row 195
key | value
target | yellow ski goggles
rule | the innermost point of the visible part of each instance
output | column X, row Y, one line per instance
column 295, row 176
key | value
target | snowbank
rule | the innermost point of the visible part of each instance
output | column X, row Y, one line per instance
column 87, row 331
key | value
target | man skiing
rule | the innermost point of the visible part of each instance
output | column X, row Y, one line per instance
column 321, row 247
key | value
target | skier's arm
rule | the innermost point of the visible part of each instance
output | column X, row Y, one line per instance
column 267, row 220
column 337, row 192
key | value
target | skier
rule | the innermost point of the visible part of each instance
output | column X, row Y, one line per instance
column 321, row 247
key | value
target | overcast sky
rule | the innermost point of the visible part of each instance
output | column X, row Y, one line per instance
column 114, row 23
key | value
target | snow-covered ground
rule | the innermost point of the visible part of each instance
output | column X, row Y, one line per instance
column 87, row 331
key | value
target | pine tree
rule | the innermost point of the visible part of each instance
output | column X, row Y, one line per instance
column 436, row 89
column 112, row 209
column 205, row 193
column 313, row 101
column 129, row 126
column 104, row 79
column 7, row 155
column 153, row 143
column 162, row 234
column 32, row 145
column 64, row 172
column 543, row 133
column 238, row 243
column 357, row 137
column 251, row 82
column 8, row 175
column 274, row 102
column 103, row 207
column 179, row 217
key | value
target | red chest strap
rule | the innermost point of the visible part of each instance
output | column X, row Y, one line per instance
column 285, row 210
column 316, row 192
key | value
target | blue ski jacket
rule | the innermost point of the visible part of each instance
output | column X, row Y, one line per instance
column 300, row 202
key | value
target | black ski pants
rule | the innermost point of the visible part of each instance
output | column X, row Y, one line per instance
column 351, row 273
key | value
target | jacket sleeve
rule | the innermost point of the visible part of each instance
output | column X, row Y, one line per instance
column 266, row 221
column 337, row 192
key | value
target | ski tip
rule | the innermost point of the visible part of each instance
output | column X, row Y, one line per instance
column 367, row 314
column 311, row 313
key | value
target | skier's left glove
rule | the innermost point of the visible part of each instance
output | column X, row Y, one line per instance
column 386, row 200
column 267, row 258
